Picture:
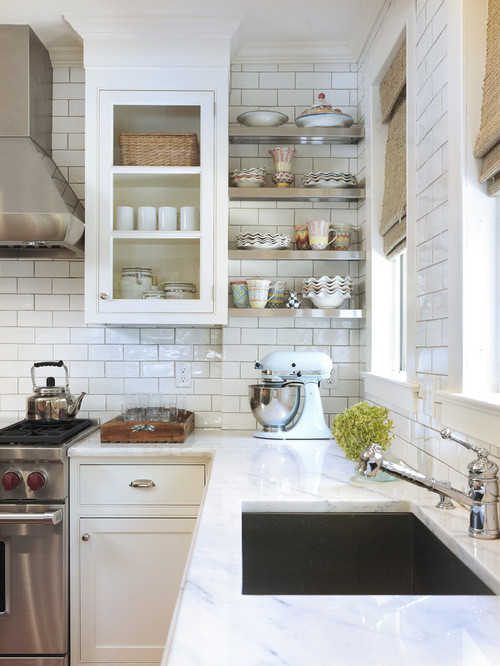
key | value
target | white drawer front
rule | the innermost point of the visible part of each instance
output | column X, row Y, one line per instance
column 110, row 484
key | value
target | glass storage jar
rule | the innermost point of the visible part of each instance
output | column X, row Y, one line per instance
column 179, row 290
column 135, row 281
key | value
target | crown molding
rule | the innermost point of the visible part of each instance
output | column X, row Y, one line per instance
column 66, row 56
column 133, row 25
column 293, row 52
column 366, row 18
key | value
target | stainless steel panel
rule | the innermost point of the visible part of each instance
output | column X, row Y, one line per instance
column 34, row 661
column 35, row 621
column 40, row 92
column 14, row 89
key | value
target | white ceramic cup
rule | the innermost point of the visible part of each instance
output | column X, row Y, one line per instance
column 124, row 218
column 189, row 219
column 146, row 218
column 167, row 218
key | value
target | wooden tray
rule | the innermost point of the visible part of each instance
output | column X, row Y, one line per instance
column 118, row 430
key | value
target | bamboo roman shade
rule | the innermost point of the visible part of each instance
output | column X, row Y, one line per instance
column 393, row 105
column 488, row 141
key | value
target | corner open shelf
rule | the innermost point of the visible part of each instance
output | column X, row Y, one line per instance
column 341, row 194
column 293, row 134
column 308, row 255
column 332, row 313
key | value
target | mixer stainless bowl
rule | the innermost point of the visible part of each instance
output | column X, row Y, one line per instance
column 274, row 407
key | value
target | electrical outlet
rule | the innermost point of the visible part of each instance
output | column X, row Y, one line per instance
column 183, row 378
column 333, row 380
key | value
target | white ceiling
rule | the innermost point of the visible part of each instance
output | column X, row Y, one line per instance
column 272, row 29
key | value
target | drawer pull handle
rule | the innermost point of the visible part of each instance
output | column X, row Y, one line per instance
column 142, row 483
column 148, row 427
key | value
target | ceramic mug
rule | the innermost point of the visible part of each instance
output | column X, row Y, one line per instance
column 345, row 235
column 146, row 218
column 124, row 218
column 302, row 237
column 258, row 293
column 189, row 219
column 318, row 234
column 240, row 294
column 278, row 298
column 167, row 218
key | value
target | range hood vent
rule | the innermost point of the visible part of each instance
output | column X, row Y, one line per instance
column 40, row 215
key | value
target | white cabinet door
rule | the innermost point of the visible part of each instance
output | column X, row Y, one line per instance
column 130, row 575
column 173, row 256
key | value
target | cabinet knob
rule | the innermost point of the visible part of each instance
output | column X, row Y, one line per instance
column 103, row 296
column 86, row 537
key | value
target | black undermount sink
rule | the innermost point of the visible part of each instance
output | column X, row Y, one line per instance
column 349, row 553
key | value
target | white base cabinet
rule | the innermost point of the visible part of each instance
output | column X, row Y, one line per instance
column 132, row 522
column 130, row 574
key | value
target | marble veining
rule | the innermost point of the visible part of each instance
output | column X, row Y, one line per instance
column 216, row 625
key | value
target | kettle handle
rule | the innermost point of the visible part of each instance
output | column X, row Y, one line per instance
column 42, row 364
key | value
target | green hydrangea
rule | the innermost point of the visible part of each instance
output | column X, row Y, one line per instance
column 362, row 425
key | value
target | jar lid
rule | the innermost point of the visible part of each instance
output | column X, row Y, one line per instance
column 136, row 269
column 180, row 286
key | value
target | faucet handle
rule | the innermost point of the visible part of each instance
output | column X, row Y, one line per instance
column 447, row 434
column 444, row 501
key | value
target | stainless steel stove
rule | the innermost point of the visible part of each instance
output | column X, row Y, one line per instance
column 34, row 623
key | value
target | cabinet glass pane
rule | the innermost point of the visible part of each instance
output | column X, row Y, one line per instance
column 170, row 260
column 157, row 190
column 154, row 118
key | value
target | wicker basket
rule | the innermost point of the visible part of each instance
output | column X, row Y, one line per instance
column 159, row 149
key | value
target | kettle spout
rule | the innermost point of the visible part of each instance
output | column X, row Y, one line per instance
column 75, row 407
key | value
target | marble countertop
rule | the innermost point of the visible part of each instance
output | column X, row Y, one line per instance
column 215, row 625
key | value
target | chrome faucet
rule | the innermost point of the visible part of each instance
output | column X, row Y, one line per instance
column 482, row 485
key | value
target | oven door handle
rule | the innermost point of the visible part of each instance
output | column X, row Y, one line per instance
column 47, row 518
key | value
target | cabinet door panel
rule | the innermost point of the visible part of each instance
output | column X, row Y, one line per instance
column 176, row 256
column 130, row 572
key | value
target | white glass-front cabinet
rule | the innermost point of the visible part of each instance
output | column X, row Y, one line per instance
column 172, row 255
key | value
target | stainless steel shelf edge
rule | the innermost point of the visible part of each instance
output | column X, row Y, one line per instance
column 292, row 134
column 348, row 255
column 295, row 194
column 301, row 312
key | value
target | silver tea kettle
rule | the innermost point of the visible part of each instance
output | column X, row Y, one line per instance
column 51, row 402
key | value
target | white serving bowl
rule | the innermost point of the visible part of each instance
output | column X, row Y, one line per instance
column 325, row 300
column 248, row 181
column 262, row 118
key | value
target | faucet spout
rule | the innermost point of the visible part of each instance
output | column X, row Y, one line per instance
column 481, row 498
column 372, row 460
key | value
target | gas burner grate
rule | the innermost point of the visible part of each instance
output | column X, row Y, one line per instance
column 36, row 432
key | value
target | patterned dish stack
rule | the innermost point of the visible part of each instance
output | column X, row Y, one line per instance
column 262, row 241
column 251, row 177
column 326, row 292
column 329, row 179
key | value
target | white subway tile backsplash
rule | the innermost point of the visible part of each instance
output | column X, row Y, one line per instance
column 122, row 369
column 32, row 318
column 259, row 97
column 51, row 335
column 50, row 302
column 16, row 302
column 277, row 80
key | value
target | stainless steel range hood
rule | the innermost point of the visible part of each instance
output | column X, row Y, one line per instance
column 40, row 215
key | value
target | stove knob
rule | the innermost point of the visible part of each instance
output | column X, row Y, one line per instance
column 36, row 481
column 11, row 480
